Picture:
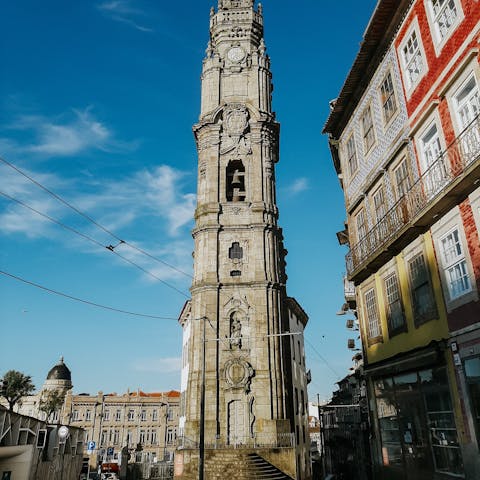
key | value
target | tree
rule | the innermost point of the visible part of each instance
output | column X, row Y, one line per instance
column 51, row 401
column 16, row 385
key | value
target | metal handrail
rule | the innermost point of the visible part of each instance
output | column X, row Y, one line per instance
column 448, row 167
column 280, row 440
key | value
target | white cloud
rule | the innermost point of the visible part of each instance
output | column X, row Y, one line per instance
column 161, row 192
column 149, row 203
column 15, row 218
column 158, row 365
column 73, row 133
column 122, row 11
column 298, row 185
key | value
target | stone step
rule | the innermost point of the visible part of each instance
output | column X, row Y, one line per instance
column 236, row 465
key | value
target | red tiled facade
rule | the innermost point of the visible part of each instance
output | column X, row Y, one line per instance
column 430, row 196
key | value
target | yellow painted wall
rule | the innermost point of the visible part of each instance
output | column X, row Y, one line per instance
column 415, row 337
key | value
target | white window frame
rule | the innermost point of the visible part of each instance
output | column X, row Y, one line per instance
column 472, row 114
column 88, row 415
column 439, row 167
column 170, row 435
column 411, row 84
column 439, row 40
column 450, row 264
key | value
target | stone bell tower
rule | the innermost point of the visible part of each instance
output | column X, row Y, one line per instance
column 239, row 308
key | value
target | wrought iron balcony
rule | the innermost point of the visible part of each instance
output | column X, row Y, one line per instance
column 448, row 181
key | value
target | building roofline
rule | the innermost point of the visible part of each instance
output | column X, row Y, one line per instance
column 298, row 310
column 384, row 23
column 185, row 312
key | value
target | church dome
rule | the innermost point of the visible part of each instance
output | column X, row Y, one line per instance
column 60, row 372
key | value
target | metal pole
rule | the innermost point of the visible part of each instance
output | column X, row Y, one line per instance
column 202, row 410
column 322, row 435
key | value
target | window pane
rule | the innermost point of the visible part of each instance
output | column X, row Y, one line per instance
column 395, row 315
column 388, row 98
column 413, row 61
column 352, row 156
column 372, row 314
column 445, row 12
column 472, row 368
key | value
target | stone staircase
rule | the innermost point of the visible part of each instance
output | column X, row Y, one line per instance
column 238, row 465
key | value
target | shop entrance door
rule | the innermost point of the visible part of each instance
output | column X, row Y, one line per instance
column 414, row 435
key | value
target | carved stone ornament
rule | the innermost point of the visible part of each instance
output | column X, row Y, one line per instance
column 238, row 374
column 235, row 125
column 235, row 331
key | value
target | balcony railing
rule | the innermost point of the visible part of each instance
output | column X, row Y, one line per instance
column 280, row 440
column 450, row 168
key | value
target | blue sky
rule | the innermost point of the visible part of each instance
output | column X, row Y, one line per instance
column 97, row 103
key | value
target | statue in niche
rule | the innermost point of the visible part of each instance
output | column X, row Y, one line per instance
column 235, row 126
column 235, row 331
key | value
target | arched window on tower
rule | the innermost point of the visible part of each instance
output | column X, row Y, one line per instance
column 235, row 181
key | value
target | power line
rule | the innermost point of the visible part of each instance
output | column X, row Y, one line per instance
column 90, row 239
column 60, row 199
column 157, row 259
column 324, row 360
column 51, row 219
column 150, row 273
column 71, row 297
column 90, row 219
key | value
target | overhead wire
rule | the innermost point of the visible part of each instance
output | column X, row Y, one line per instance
column 324, row 360
column 77, row 299
column 110, row 247
column 51, row 219
column 91, row 220
column 90, row 239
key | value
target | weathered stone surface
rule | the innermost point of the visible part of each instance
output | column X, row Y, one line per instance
column 239, row 301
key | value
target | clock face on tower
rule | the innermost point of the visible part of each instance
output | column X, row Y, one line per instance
column 236, row 54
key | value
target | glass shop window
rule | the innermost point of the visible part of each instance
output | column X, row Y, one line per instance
column 417, row 424
column 472, row 372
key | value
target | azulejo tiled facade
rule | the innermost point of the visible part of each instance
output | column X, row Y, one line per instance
column 413, row 223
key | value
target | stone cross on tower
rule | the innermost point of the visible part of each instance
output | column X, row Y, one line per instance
column 239, row 308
